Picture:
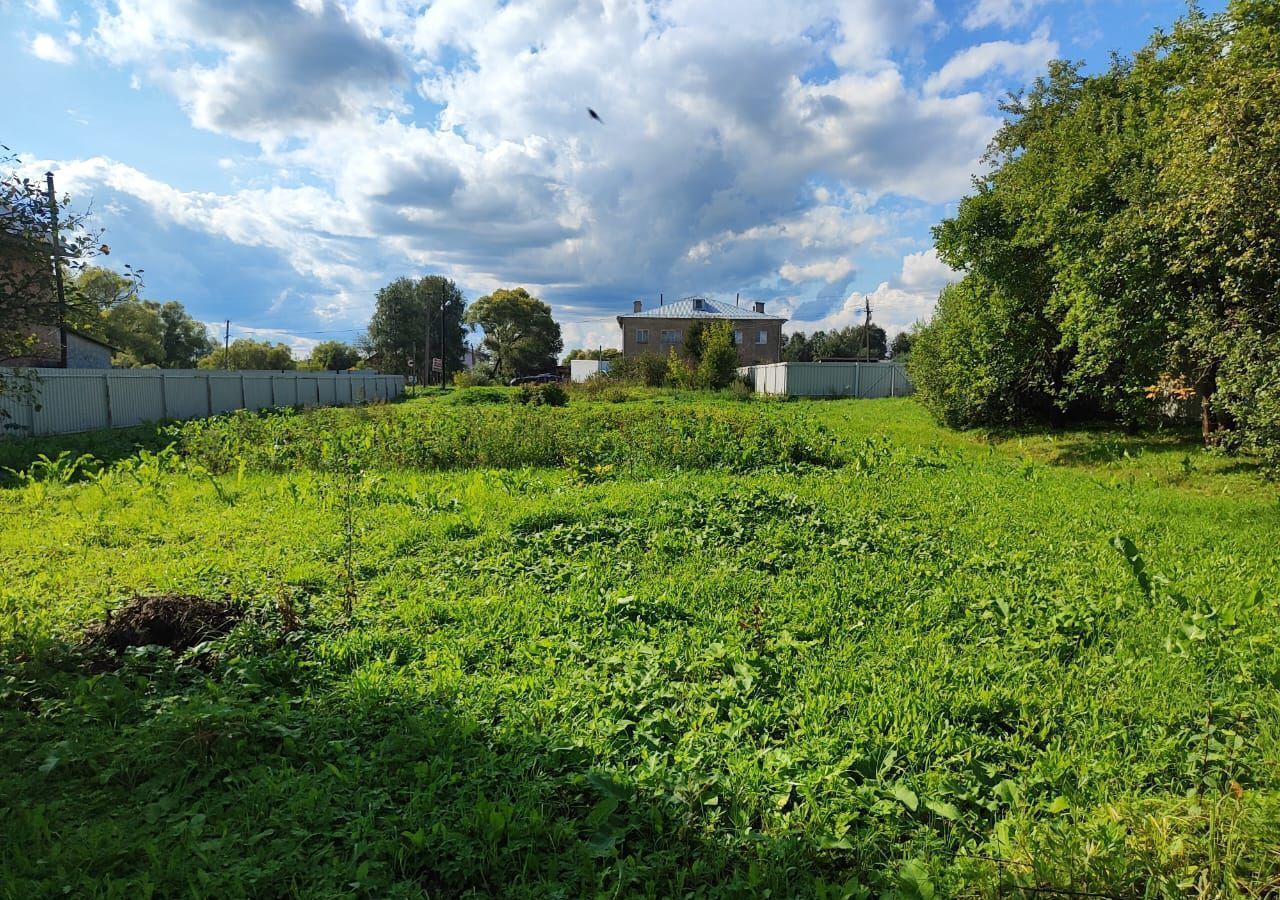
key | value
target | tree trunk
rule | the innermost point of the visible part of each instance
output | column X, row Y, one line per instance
column 1205, row 389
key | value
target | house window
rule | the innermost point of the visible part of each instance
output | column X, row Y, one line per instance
column 737, row 337
column 642, row 335
column 762, row 336
column 669, row 336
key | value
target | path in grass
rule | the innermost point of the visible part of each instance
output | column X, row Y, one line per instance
column 836, row 650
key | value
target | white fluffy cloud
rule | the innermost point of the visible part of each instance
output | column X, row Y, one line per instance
column 745, row 144
column 1005, row 13
column 923, row 271
column 50, row 49
column 1022, row 61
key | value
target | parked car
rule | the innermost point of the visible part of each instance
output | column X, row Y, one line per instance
column 544, row 378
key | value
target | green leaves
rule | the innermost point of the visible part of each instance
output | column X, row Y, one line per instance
column 1126, row 548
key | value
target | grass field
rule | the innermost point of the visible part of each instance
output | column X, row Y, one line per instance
column 667, row 646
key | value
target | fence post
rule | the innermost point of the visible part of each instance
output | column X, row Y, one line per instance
column 106, row 384
column 893, row 379
column 243, row 401
column 857, row 380
column 164, row 396
column 208, row 392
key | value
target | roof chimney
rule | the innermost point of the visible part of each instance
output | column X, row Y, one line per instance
column 759, row 306
column 637, row 305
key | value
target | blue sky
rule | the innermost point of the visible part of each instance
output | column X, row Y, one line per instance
column 274, row 162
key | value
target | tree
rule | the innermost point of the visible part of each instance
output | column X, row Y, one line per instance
column 185, row 340
column 797, row 348
column 518, row 331
column 900, row 346
column 1128, row 221
column 145, row 333
column 719, row 362
column 28, row 291
column 850, row 342
column 693, row 338
column 397, row 334
column 983, row 359
column 334, row 356
column 250, row 354
column 136, row 330
column 606, row 353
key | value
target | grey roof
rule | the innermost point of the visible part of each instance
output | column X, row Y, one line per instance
column 711, row 309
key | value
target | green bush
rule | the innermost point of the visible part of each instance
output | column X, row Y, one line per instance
column 982, row 360
column 469, row 378
column 472, row 396
column 549, row 394
column 648, row 369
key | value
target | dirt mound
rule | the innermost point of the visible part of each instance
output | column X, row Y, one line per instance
column 175, row 621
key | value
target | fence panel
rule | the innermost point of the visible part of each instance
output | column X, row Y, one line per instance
column 69, row 400
column 830, row 379
column 134, row 400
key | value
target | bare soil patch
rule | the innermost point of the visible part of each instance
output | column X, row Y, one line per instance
column 176, row 621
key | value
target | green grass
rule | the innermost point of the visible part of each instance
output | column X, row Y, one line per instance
column 669, row 646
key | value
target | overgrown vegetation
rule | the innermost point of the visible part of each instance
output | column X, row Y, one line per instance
column 657, row 652
column 1125, row 237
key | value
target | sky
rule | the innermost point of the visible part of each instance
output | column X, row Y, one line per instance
column 275, row 162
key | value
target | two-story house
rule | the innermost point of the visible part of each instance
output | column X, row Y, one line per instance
column 756, row 334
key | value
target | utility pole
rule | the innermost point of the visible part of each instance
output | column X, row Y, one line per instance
column 226, row 346
column 426, row 349
column 444, row 338
column 866, row 328
column 57, row 271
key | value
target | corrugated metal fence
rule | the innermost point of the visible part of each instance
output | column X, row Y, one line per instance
column 830, row 379
column 60, row 401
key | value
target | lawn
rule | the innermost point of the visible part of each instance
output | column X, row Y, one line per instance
column 662, row 646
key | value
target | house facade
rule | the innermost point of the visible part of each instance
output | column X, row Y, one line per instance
column 83, row 351
column 757, row 336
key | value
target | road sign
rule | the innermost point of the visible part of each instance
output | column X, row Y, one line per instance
column 437, row 364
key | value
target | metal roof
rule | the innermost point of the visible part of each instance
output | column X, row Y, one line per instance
column 711, row 309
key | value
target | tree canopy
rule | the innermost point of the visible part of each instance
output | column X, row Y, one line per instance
column 605, row 353
column 144, row 332
column 245, row 353
column 398, row 332
column 334, row 356
column 1126, row 230
column 850, row 342
column 519, row 332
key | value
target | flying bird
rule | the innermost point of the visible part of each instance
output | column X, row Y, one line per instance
column 595, row 115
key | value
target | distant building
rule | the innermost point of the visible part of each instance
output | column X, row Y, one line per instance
column 83, row 351
column 756, row 334
column 582, row 369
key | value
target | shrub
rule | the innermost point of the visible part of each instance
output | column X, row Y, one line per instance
column 648, row 369
column 741, row 388
column 549, row 394
column 469, row 378
column 983, row 360
column 475, row 395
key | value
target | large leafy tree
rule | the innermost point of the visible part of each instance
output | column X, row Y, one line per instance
column 1128, row 228
column 519, row 332
column 334, row 356
column 398, row 332
column 144, row 332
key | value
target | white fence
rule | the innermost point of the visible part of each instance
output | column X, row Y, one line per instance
column 66, row 400
column 830, row 379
